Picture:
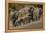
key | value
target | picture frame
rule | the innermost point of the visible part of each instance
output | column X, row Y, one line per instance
column 7, row 18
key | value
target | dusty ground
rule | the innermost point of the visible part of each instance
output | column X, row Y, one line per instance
column 32, row 25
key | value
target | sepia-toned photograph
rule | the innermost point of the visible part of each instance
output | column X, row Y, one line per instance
column 25, row 16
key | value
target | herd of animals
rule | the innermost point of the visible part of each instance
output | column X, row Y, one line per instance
column 25, row 15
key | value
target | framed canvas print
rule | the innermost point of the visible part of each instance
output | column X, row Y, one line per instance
column 24, row 16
